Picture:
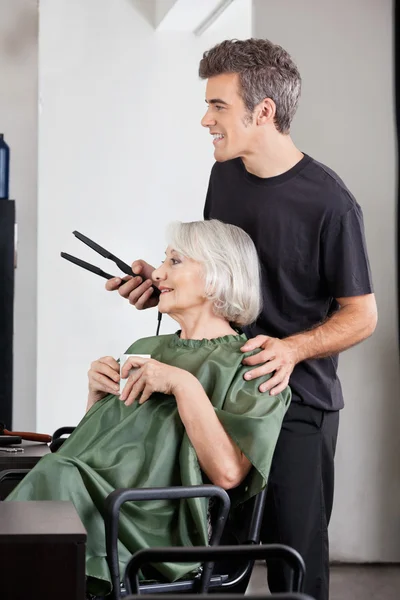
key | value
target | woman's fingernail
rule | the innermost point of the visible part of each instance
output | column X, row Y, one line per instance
column 248, row 376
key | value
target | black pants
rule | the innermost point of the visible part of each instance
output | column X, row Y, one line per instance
column 300, row 495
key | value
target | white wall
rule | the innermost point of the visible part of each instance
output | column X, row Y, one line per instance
column 122, row 154
column 18, row 121
column 344, row 51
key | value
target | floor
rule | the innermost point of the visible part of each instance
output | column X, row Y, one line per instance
column 348, row 582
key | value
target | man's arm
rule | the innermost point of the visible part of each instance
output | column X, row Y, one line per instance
column 354, row 322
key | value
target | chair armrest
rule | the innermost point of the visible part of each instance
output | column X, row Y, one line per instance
column 117, row 498
column 17, row 474
column 58, row 440
column 61, row 431
column 10, row 475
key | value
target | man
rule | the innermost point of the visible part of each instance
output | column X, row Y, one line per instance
column 317, row 288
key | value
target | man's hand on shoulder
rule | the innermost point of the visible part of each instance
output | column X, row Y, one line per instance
column 276, row 356
column 137, row 290
column 354, row 322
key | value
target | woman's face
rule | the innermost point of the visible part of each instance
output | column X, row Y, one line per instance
column 181, row 283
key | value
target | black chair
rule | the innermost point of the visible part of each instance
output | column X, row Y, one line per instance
column 210, row 578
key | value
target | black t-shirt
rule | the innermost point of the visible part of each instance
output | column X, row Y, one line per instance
column 309, row 234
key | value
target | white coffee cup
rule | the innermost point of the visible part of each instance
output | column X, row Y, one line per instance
column 122, row 361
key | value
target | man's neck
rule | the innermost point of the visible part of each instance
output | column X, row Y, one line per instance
column 273, row 157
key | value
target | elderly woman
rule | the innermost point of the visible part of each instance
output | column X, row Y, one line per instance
column 186, row 415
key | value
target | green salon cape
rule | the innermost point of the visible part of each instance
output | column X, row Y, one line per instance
column 118, row 446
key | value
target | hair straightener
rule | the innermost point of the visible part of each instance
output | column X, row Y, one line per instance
column 97, row 271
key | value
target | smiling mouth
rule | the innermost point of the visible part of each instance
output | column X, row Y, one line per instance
column 165, row 291
column 217, row 137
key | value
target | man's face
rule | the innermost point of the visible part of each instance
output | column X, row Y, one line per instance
column 228, row 119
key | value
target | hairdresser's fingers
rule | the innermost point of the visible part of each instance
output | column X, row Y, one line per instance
column 147, row 299
column 142, row 268
column 259, row 358
column 135, row 297
column 115, row 283
column 129, row 286
column 278, row 382
column 264, row 369
column 138, row 290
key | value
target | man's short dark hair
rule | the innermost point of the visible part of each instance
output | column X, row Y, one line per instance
column 265, row 70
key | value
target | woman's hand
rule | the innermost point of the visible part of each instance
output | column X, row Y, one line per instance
column 151, row 376
column 103, row 379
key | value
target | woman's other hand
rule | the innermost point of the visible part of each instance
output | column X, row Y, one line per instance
column 151, row 376
column 103, row 379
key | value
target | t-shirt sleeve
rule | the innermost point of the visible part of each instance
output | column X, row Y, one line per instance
column 253, row 420
column 345, row 265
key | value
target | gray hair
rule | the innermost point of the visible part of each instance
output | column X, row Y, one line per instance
column 265, row 70
column 231, row 266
